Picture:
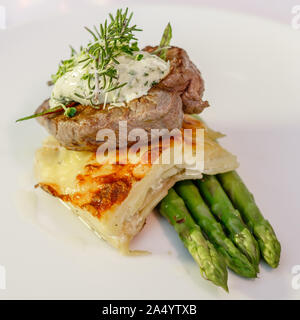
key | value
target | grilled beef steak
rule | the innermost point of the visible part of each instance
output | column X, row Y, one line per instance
column 163, row 107
column 184, row 78
column 158, row 109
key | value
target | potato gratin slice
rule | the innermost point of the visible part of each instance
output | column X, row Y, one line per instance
column 115, row 199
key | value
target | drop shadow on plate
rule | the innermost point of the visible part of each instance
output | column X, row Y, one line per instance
column 186, row 261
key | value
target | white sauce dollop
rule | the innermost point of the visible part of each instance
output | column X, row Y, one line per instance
column 140, row 76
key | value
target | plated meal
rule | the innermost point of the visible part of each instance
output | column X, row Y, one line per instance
column 125, row 138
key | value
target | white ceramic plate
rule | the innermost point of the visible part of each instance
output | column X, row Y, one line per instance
column 251, row 67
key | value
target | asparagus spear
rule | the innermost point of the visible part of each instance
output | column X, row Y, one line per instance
column 222, row 208
column 212, row 265
column 194, row 202
column 243, row 200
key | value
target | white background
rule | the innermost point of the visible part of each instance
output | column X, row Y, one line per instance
column 19, row 11
column 251, row 67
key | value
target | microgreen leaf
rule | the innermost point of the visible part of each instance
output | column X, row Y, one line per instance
column 165, row 41
column 70, row 112
column 139, row 57
column 48, row 111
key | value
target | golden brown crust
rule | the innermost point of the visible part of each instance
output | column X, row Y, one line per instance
column 98, row 188
column 99, row 192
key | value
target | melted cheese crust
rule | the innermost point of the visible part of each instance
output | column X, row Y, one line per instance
column 78, row 178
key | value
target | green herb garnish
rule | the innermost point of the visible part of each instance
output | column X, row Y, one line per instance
column 51, row 110
column 64, row 67
column 132, row 72
column 109, row 40
column 164, row 42
column 70, row 112
column 139, row 57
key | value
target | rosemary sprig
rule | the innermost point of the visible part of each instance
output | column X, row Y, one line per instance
column 99, row 57
column 109, row 41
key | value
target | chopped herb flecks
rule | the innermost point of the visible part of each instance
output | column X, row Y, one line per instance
column 98, row 60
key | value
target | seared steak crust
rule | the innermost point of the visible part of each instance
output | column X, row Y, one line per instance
column 158, row 109
column 185, row 78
